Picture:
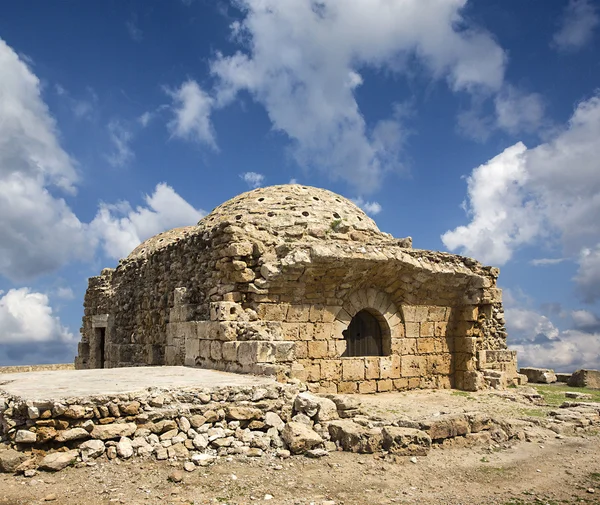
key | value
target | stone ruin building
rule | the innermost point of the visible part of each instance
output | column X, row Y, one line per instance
column 299, row 283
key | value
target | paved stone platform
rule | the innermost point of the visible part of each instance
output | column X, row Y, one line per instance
column 60, row 384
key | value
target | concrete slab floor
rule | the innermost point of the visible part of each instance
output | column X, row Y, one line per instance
column 60, row 384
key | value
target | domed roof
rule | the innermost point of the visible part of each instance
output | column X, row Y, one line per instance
column 153, row 244
column 292, row 208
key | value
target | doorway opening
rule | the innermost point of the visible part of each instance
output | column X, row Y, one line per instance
column 100, row 345
column 364, row 336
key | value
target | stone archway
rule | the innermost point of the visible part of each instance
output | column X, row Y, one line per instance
column 364, row 335
column 379, row 305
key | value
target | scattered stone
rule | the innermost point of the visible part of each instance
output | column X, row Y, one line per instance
column 272, row 419
column 124, row 448
column 585, row 378
column 188, row 466
column 299, row 437
column 50, row 497
column 25, row 437
column 111, row 452
column 91, row 449
column 72, row 434
column 354, row 437
column 10, row 460
column 112, row 431
column 539, row 375
column 405, row 441
column 316, row 453
column 578, row 396
column 203, row 459
column 57, row 461
column 30, row 473
column 175, row 476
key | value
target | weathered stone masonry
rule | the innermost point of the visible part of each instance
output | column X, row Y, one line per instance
column 270, row 282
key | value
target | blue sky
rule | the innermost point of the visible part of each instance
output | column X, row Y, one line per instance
column 471, row 126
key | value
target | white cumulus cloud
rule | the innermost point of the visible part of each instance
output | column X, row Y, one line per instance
column 371, row 208
column 577, row 26
column 527, row 196
column 26, row 316
column 38, row 230
column 192, row 107
column 253, row 179
column 302, row 61
column 120, row 228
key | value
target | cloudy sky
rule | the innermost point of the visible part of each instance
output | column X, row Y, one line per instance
column 471, row 125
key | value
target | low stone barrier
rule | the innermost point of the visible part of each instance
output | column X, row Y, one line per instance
column 36, row 368
column 198, row 426
column 585, row 378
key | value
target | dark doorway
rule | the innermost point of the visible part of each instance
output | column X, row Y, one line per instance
column 363, row 336
column 100, row 344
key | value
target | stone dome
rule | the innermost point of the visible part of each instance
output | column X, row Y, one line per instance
column 153, row 244
column 293, row 210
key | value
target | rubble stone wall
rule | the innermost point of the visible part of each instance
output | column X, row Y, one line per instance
column 270, row 290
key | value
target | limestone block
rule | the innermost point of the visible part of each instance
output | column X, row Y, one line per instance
column 301, row 350
column 353, row 437
column 297, row 371
column 317, row 349
column 323, row 331
column 372, row 367
column 347, row 387
column 245, row 275
column 408, row 346
column 421, row 312
column 427, row 329
column 237, row 249
column 306, row 331
column 439, row 364
column 409, row 312
column 405, row 441
column 313, row 372
column 225, row 311
column 340, row 347
column 290, row 331
column 539, row 375
column 412, row 330
column 413, row 366
column 353, row 369
column 284, row 351
column 467, row 313
column 400, row 384
column 216, row 350
column 229, row 351
column 384, row 385
column 224, row 331
column 299, row 437
column 330, row 313
column 206, row 330
column 331, row 370
column 204, row 348
column 272, row 311
column 492, row 295
column 440, row 329
column 57, row 461
column 315, row 314
column 298, row 313
column 192, row 348
column 426, row 345
column 446, row 426
column 465, row 345
column 436, row 314
column 585, row 378
column 367, row 387
column 464, row 362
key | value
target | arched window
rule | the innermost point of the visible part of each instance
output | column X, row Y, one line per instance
column 363, row 336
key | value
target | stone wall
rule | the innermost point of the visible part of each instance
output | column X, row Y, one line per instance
column 270, row 291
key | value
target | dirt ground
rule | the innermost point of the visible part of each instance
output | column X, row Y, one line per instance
column 544, row 468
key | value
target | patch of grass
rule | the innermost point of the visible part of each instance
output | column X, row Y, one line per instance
column 554, row 395
column 335, row 224
column 533, row 412
column 464, row 394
